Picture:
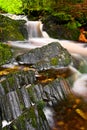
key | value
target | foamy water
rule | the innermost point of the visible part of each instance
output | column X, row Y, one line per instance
column 5, row 123
column 80, row 86
column 49, row 113
column 39, row 38
column 72, row 47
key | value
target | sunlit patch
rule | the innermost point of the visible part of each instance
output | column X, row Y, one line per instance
column 81, row 113
column 7, row 70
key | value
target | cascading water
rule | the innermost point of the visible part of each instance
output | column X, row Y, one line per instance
column 38, row 38
column 76, row 49
column 34, row 29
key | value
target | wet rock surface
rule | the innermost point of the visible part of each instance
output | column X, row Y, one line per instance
column 50, row 56
column 24, row 94
column 17, row 100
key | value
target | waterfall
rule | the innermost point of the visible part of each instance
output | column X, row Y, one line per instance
column 37, row 37
column 34, row 29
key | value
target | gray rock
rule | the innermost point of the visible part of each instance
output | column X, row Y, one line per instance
column 50, row 56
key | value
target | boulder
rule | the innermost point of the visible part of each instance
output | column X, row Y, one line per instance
column 12, row 30
column 51, row 56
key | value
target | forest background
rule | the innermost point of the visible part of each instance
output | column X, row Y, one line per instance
column 65, row 10
column 62, row 15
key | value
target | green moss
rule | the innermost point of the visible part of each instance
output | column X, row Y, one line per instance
column 68, row 59
column 12, row 29
column 40, row 106
column 82, row 67
column 11, row 81
column 33, row 117
column 54, row 61
column 31, row 93
column 29, row 116
column 5, row 53
column 15, row 127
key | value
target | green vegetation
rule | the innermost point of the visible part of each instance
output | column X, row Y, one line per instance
column 73, row 24
column 40, row 104
column 62, row 16
column 5, row 53
column 18, row 6
column 31, row 93
column 11, row 6
column 11, row 30
column 33, row 117
column 68, row 13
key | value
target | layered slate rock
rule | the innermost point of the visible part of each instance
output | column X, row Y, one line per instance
column 32, row 119
column 23, row 94
column 16, row 100
column 22, row 99
column 50, row 56
column 11, row 30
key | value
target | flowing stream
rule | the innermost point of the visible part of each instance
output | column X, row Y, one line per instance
column 38, row 38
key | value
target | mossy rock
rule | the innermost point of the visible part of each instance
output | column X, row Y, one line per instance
column 5, row 53
column 12, row 29
column 49, row 56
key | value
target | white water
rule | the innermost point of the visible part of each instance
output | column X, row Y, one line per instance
column 49, row 113
column 80, row 87
column 38, row 38
column 15, row 17
column 5, row 123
